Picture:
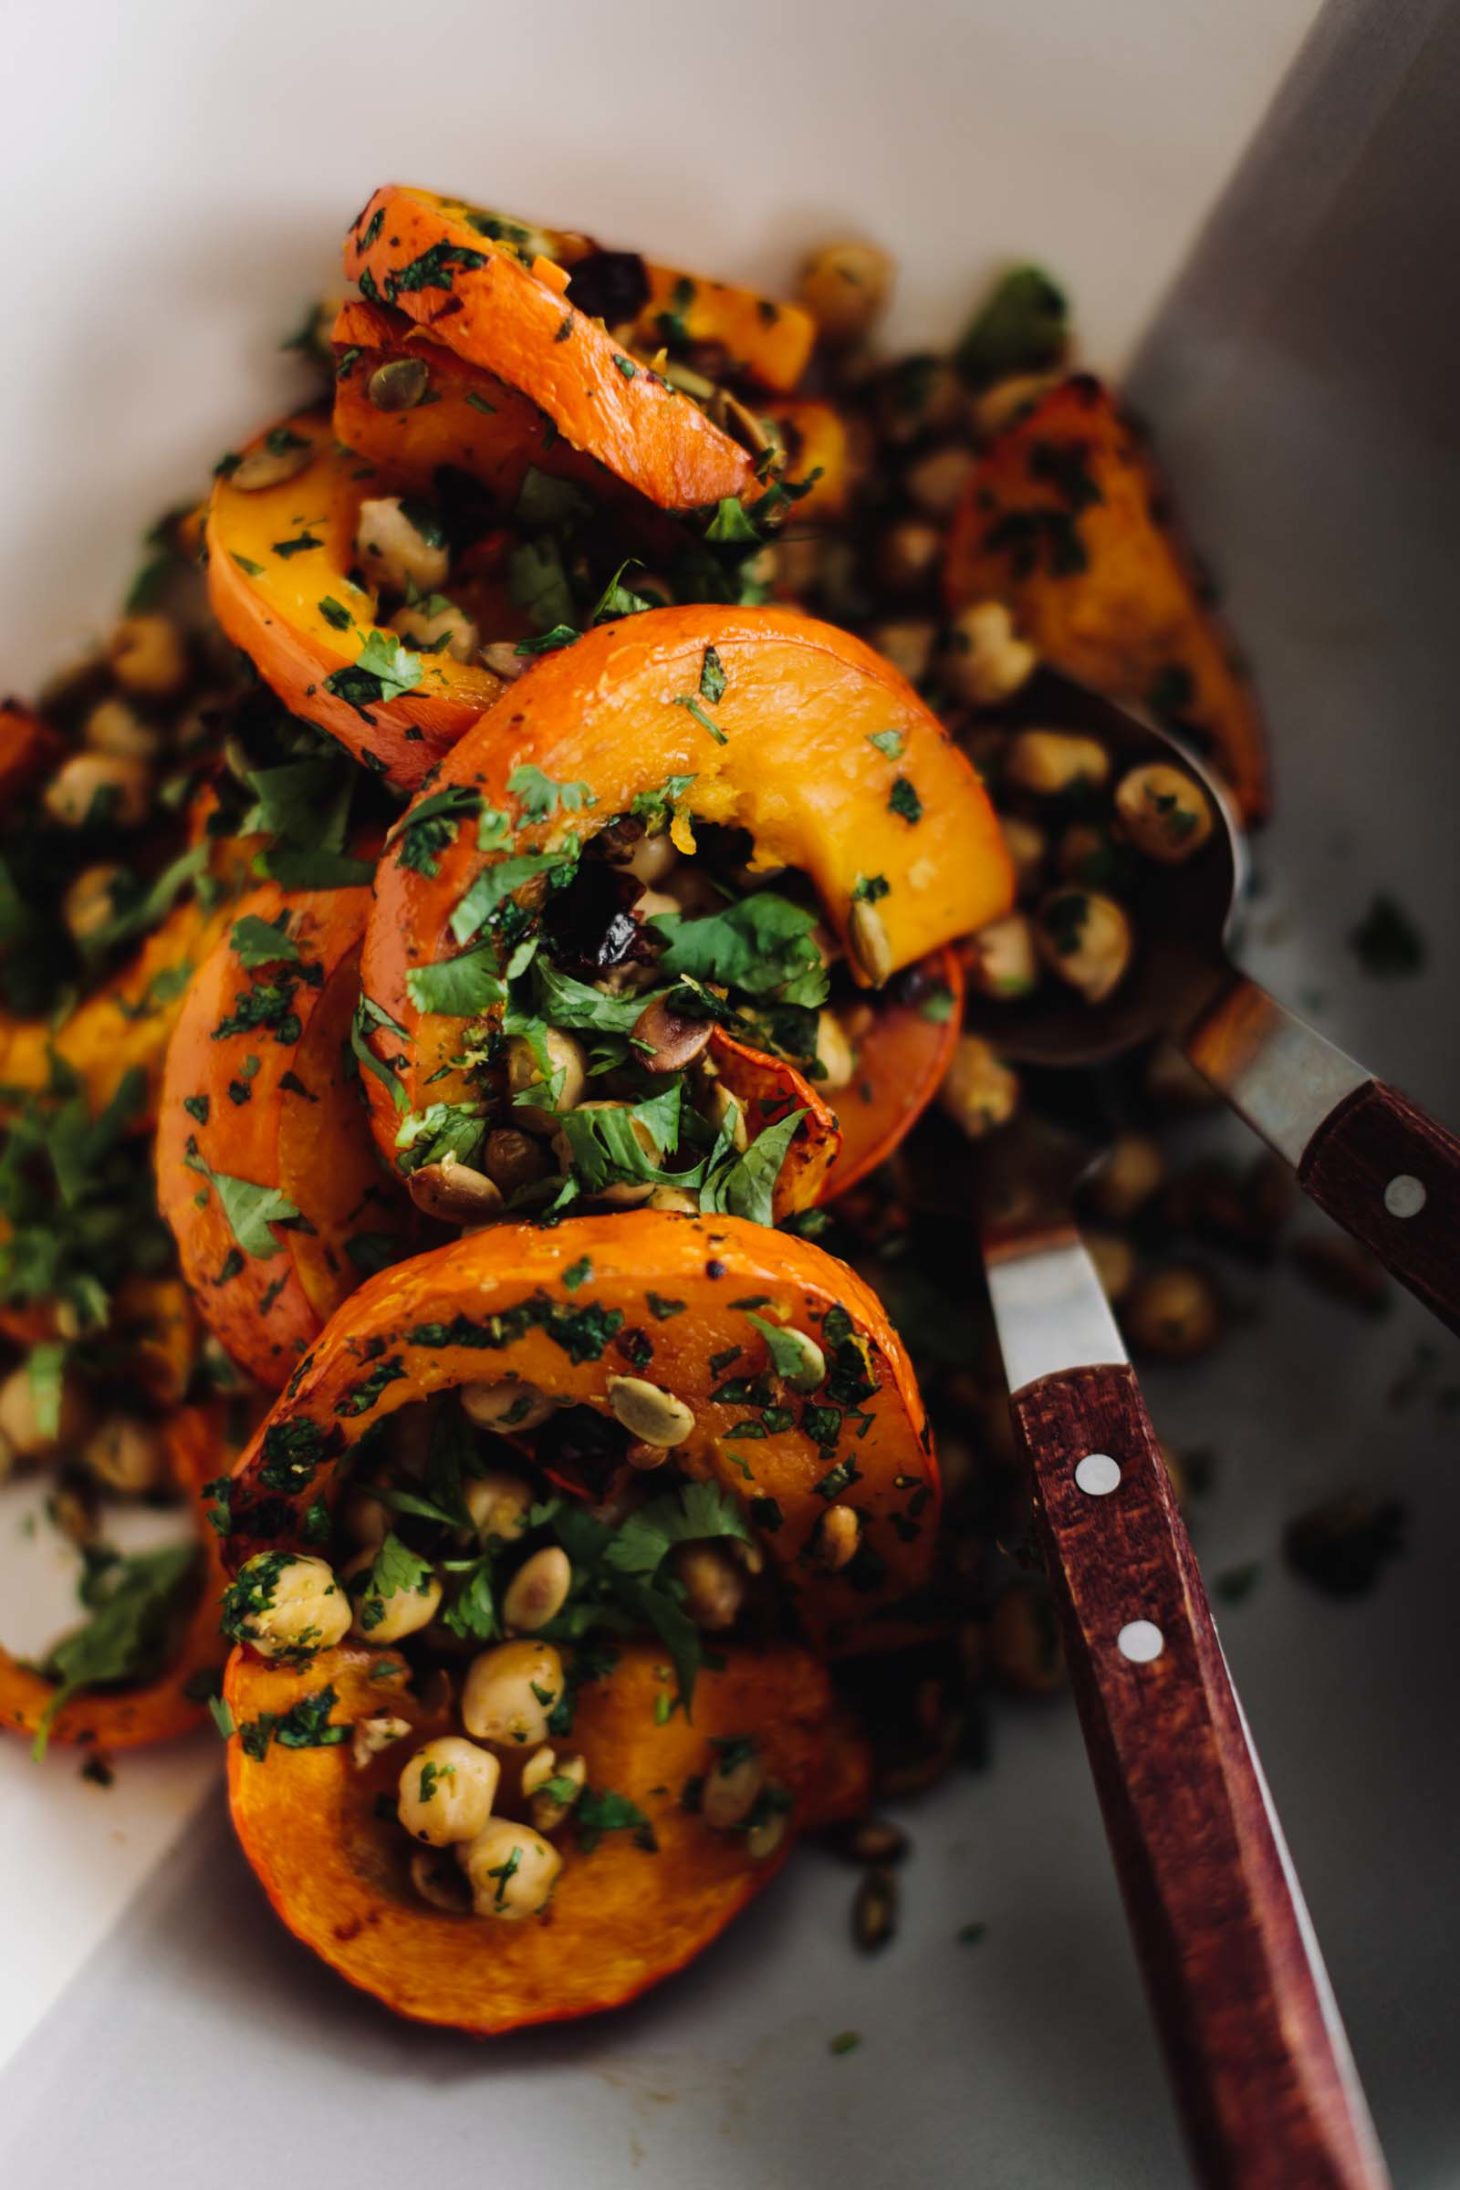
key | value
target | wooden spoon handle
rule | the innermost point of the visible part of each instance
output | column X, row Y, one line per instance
column 1391, row 1177
column 1254, row 2046
column 1370, row 1158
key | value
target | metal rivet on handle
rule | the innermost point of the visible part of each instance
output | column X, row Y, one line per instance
column 1405, row 1196
column 1140, row 1641
column 1098, row 1475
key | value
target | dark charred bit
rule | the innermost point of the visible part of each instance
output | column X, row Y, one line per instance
column 590, row 924
column 609, row 285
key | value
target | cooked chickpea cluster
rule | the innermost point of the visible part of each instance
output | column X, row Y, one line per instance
column 482, row 1798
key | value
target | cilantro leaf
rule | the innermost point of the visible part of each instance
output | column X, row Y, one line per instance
column 257, row 942
column 462, row 987
column 763, row 945
column 746, row 1187
column 248, row 1210
column 134, row 1602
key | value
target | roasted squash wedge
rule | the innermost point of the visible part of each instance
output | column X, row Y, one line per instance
column 1065, row 519
column 266, row 1171
column 901, row 1059
column 627, row 1912
column 279, row 564
column 134, row 1718
column 813, row 744
column 504, row 306
column 498, row 1304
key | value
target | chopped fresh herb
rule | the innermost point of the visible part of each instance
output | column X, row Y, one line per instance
column 599, row 1812
column 541, row 798
column 462, row 987
column 903, row 800
column 845, row 2041
column 257, row 942
column 712, row 677
column 248, row 1210
column 383, row 669
column 692, row 706
column 133, row 1604
column 1022, row 327
column 890, row 742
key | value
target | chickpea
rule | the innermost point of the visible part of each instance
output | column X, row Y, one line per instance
column 287, row 1605
column 99, row 790
column 1028, row 848
column 844, row 287
column 538, row 1591
column 115, row 727
column 653, row 858
column 1051, row 762
column 386, row 1611
column 907, row 644
column 936, row 481
column 510, row 1692
column 511, row 1870
column 401, row 547
column 446, row 1791
column 512, row 1159
column 22, row 1430
column 984, row 659
column 1128, row 1177
column 908, row 554
column 979, row 1092
column 732, row 1787
column 1002, row 959
column 508, row 1405
column 1086, row 939
column 147, row 655
column 1164, row 812
column 834, row 1053
column 439, row 627
column 497, row 1503
column 90, row 902
column 126, row 1456
column 713, row 1583
column 562, row 1080
column 1115, row 1262
column 1173, row 1313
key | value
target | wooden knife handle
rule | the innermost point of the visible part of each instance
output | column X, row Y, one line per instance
column 1391, row 1177
column 1255, row 2050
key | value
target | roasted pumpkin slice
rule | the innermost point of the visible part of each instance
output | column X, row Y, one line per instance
column 122, row 1027
column 759, row 718
column 631, row 1907
column 448, row 266
column 175, row 1702
column 817, row 454
column 1066, row 520
column 570, row 1310
column 280, row 559
column 266, row 1170
column 901, row 1059
column 722, row 330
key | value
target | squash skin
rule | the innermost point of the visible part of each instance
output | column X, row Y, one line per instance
column 269, row 605
column 766, row 1088
column 424, row 1326
column 800, row 705
column 1130, row 617
column 294, row 1122
column 900, row 1064
column 622, row 1918
column 764, row 340
column 496, row 312
column 135, row 1718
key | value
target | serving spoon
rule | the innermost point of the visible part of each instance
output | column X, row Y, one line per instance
column 1257, row 2055
column 1368, row 1156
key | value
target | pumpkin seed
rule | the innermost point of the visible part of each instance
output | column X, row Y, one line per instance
column 652, row 1416
column 871, row 945
column 399, row 384
column 874, row 1911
